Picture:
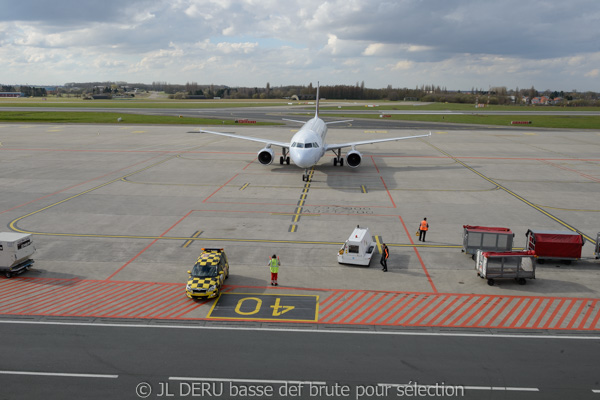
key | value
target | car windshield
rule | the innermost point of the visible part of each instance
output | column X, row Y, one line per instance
column 204, row 271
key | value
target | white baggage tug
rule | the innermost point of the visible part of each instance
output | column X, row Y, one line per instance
column 358, row 249
column 15, row 252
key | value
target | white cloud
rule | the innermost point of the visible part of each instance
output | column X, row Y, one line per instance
column 457, row 44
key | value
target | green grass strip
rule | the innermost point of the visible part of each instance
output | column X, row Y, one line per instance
column 109, row 118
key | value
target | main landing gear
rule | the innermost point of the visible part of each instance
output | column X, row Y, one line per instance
column 338, row 160
column 284, row 158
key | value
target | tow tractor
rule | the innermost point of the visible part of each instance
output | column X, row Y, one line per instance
column 358, row 249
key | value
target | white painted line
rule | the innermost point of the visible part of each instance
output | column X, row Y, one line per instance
column 299, row 330
column 502, row 388
column 499, row 388
column 261, row 381
column 59, row 374
column 597, row 391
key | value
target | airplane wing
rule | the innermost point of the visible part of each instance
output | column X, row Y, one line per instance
column 254, row 139
column 352, row 144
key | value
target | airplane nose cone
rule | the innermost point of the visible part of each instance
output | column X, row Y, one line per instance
column 302, row 159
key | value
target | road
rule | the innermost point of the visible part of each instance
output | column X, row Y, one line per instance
column 110, row 361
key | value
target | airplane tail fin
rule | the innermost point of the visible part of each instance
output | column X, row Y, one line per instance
column 317, row 109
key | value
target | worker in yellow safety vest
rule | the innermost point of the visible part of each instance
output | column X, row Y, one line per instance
column 274, row 264
column 423, row 228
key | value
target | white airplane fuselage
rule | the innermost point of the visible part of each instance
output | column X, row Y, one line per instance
column 308, row 144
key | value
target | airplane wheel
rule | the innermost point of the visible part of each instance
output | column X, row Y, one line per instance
column 341, row 162
column 303, row 178
column 281, row 160
column 287, row 160
column 334, row 162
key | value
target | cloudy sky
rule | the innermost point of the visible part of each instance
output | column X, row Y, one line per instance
column 459, row 44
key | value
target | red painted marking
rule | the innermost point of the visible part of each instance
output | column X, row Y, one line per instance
column 543, row 313
column 405, row 300
column 484, row 300
column 393, row 317
column 328, row 302
column 466, row 311
column 533, row 312
column 485, row 314
column 418, row 256
column 511, row 312
column 577, row 313
column 587, row 314
column 441, row 312
column 339, row 305
column 590, row 177
column 147, row 247
column 500, row 311
column 424, row 307
column 556, row 310
column 220, row 187
column 113, row 301
column 520, row 315
column 367, row 300
column 333, row 317
column 372, row 315
column 388, row 192
column 595, row 321
column 373, row 160
column 367, row 309
column 566, row 313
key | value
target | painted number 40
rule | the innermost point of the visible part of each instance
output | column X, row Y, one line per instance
column 278, row 309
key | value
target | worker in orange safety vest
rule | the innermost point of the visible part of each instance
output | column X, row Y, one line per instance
column 423, row 228
column 385, row 254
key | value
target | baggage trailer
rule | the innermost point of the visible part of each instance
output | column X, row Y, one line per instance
column 555, row 245
column 486, row 238
column 15, row 252
column 517, row 265
column 358, row 249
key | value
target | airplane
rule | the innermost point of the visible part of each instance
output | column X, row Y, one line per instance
column 308, row 145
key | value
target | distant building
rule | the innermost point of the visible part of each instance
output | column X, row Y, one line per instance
column 12, row 94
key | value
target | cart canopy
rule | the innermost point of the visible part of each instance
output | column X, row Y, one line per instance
column 556, row 244
column 486, row 228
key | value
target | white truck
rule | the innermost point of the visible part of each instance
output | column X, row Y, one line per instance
column 358, row 249
column 15, row 252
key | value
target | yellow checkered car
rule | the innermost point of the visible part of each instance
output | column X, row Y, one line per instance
column 209, row 273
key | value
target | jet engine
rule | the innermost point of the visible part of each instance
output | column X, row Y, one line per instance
column 353, row 158
column 266, row 156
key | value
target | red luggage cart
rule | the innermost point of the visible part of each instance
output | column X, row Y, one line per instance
column 555, row 245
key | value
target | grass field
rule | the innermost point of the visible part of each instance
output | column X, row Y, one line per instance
column 344, row 108
column 538, row 121
column 108, row 118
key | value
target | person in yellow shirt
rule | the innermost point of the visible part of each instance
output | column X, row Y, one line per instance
column 274, row 264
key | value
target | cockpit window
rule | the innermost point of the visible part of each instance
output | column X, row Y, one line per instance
column 293, row 144
column 308, row 145
column 300, row 145
column 315, row 144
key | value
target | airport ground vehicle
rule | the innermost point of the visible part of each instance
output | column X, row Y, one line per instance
column 358, row 249
column 555, row 245
column 208, row 274
column 486, row 238
column 518, row 265
column 16, row 250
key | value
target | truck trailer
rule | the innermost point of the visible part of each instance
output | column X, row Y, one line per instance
column 16, row 250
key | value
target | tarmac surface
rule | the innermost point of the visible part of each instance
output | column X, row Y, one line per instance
column 119, row 214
